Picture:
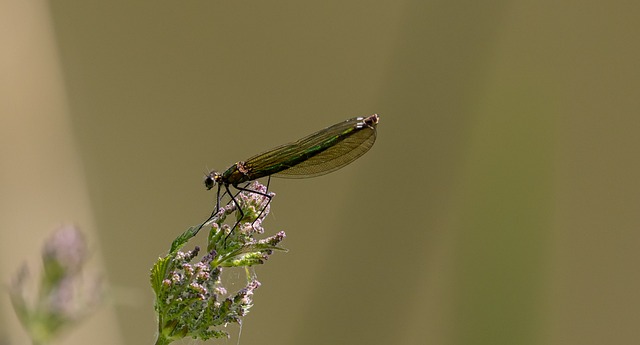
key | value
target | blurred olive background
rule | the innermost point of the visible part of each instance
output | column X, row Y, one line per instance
column 499, row 205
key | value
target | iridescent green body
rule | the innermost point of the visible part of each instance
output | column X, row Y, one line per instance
column 316, row 154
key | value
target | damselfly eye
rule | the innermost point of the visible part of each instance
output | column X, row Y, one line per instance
column 209, row 181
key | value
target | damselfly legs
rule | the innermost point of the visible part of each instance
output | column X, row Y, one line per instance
column 261, row 199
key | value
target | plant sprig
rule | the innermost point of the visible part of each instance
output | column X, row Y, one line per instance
column 191, row 300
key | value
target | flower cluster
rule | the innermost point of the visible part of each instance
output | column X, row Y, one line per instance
column 191, row 300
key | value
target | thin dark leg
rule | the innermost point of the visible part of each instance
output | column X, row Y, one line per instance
column 241, row 189
column 260, row 193
column 215, row 211
column 233, row 199
column 218, row 199
column 268, row 196
column 252, row 191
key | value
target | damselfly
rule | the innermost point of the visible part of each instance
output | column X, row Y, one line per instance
column 316, row 154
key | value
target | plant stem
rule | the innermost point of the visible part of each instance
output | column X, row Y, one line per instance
column 162, row 340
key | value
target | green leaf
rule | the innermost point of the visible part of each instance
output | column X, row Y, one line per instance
column 159, row 272
column 183, row 238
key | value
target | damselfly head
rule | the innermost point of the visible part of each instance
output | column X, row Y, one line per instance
column 211, row 179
